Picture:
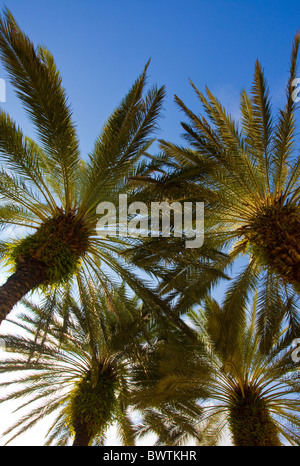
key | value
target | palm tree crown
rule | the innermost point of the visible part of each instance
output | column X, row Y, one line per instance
column 247, row 174
column 47, row 188
column 238, row 382
column 77, row 370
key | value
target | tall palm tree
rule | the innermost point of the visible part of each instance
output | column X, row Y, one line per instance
column 239, row 381
column 247, row 173
column 76, row 372
column 47, row 189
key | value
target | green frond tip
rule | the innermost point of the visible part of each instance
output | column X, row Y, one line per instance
column 38, row 84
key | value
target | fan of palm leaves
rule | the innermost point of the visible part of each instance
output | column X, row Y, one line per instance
column 228, row 380
column 48, row 191
column 247, row 174
column 75, row 369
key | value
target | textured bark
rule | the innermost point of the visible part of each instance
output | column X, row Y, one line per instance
column 82, row 436
column 274, row 235
column 250, row 422
column 29, row 275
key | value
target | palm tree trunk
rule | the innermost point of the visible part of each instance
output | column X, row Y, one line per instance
column 29, row 275
column 251, row 424
column 82, row 436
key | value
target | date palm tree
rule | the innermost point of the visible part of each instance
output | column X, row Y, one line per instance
column 247, row 174
column 75, row 364
column 239, row 381
column 47, row 191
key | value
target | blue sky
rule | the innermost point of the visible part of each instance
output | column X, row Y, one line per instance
column 100, row 48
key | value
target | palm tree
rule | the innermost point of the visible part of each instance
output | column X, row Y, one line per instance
column 247, row 173
column 47, row 189
column 75, row 364
column 239, row 382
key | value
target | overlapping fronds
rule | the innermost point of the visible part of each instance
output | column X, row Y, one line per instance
column 204, row 377
column 60, row 362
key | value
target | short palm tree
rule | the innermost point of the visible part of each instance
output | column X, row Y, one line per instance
column 76, row 372
column 247, row 173
column 47, row 190
column 240, row 382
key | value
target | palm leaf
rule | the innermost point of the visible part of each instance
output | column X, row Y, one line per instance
column 35, row 77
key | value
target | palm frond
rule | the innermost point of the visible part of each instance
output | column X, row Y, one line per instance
column 34, row 75
column 284, row 136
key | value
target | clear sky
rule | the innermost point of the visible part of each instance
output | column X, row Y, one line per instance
column 101, row 47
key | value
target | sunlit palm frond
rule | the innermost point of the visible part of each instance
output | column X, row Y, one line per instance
column 50, row 360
